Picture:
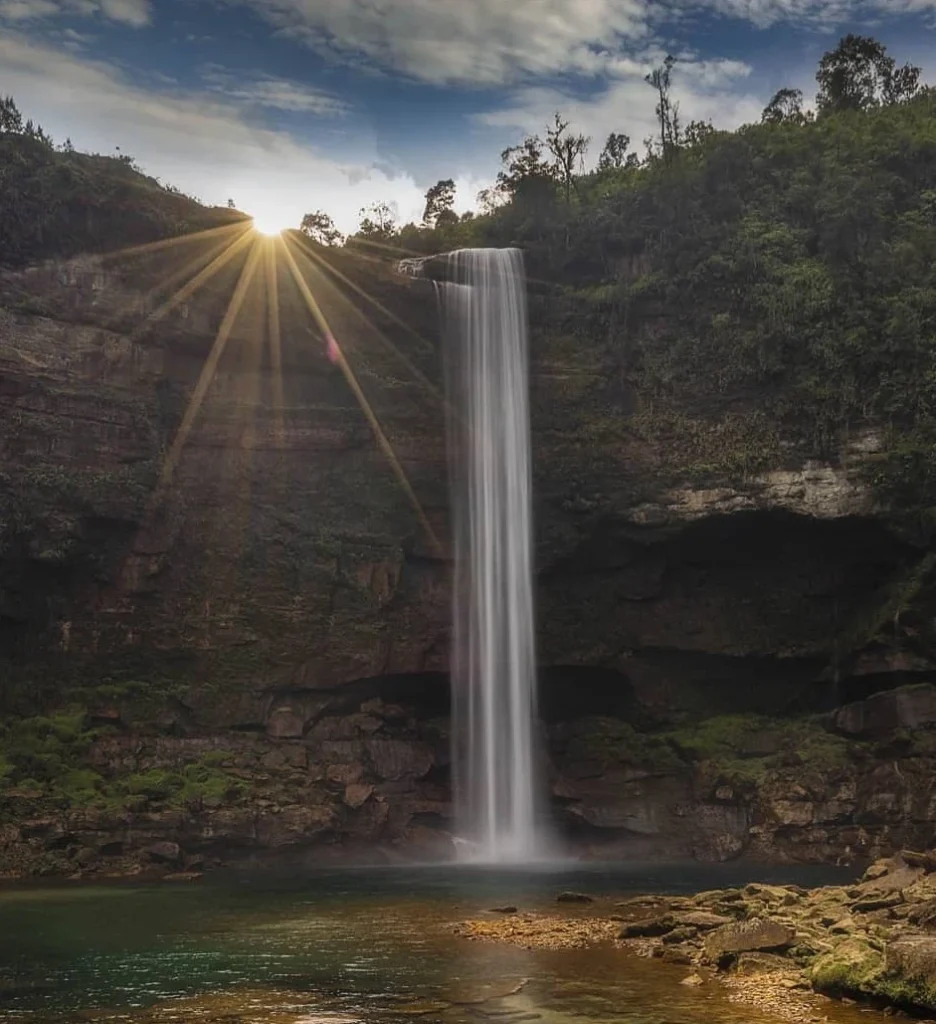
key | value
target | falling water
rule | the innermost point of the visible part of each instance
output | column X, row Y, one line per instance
column 484, row 309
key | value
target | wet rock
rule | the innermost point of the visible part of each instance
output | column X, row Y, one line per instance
column 912, row 960
column 703, row 920
column 694, row 980
column 397, row 759
column 509, row 909
column 344, row 774
column 675, row 955
column 908, row 707
column 357, row 793
column 285, row 723
column 877, row 870
column 924, row 915
column 574, row 897
column 650, row 928
column 679, row 935
column 164, row 852
column 851, row 967
column 756, row 934
column 759, row 963
column 925, row 860
column 872, row 903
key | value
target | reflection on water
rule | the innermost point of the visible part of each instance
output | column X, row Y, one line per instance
column 370, row 946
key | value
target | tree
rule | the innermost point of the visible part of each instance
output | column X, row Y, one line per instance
column 320, row 228
column 568, row 153
column 614, row 156
column 440, row 199
column 522, row 164
column 667, row 112
column 696, row 132
column 491, row 199
column 786, row 107
column 11, row 120
column 858, row 74
column 378, row 221
column 230, row 205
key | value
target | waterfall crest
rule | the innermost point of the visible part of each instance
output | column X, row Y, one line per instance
column 483, row 301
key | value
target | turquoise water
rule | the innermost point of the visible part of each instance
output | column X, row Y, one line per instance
column 369, row 945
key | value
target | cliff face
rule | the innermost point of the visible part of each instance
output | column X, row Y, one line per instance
column 257, row 648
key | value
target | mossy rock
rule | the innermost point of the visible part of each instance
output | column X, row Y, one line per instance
column 853, row 968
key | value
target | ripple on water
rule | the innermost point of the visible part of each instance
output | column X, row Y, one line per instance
column 351, row 949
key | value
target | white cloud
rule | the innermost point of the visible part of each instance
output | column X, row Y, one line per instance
column 705, row 91
column 260, row 90
column 199, row 143
column 135, row 13
column 498, row 42
column 486, row 42
column 129, row 12
column 28, row 10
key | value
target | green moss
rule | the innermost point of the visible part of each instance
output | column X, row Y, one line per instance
column 852, row 968
column 202, row 782
column 723, row 736
column 613, row 741
column 911, row 993
column 742, row 750
column 80, row 787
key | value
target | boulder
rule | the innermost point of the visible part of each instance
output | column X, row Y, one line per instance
column 759, row 963
column 851, row 967
column 912, row 959
column 924, row 915
column 757, row 934
column 357, row 793
column 397, row 759
column 163, row 852
column 908, row 707
column 649, row 928
column 703, row 920
column 285, row 723
column 574, row 897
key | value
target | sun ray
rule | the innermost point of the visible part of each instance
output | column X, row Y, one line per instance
column 210, row 366
column 381, row 438
column 149, row 297
column 378, row 333
column 187, row 290
column 357, row 289
column 237, row 462
column 274, row 338
column 166, row 243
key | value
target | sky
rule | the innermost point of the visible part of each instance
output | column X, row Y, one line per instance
column 289, row 106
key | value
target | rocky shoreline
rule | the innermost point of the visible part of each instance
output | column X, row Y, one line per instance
column 781, row 949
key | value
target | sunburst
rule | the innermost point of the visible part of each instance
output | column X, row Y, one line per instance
column 261, row 247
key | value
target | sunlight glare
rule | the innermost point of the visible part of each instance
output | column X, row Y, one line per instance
column 271, row 223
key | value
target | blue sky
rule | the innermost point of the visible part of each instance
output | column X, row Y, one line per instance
column 293, row 105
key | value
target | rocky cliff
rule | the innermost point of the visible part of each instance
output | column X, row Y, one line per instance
column 247, row 652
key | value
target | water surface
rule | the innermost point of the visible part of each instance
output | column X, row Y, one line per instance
column 368, row 945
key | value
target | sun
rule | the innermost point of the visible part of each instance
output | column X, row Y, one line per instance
column 270, row 224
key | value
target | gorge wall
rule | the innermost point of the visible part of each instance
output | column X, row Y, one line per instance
column 252, row 659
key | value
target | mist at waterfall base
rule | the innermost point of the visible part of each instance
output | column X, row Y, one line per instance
column 498, row 796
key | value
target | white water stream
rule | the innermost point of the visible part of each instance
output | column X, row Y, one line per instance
column 493, row 669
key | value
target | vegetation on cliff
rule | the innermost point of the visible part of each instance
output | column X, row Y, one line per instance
column 56, row 202
column 747, row 290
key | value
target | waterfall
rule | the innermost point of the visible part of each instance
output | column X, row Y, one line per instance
column 483, row 302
